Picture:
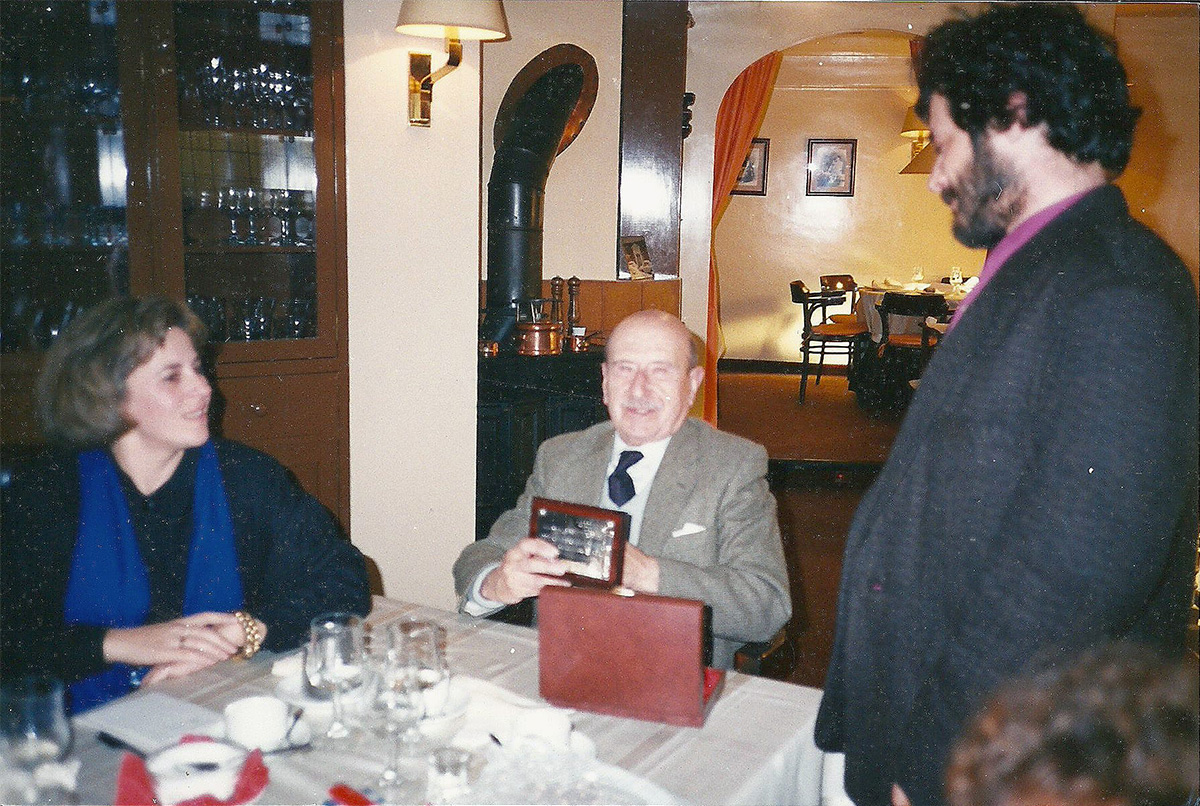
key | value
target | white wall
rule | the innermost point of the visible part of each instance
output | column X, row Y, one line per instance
column 413, row 251
column 581, row 193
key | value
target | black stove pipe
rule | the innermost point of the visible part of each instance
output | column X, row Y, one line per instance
column 516, row 195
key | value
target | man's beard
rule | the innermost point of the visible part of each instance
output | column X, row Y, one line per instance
column 989, row 199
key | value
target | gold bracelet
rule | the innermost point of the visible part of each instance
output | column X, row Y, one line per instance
column 253, row 637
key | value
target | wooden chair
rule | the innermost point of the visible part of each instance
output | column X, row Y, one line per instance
column 834, row 338
column 921, row 306
column 774, row 658
column 845, row 284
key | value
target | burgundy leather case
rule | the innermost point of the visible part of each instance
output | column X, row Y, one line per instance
column 636, row 656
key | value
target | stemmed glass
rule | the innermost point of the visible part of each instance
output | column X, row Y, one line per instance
column 335, row 662
column 398, row 708
column 34, row 726
column 956, row 278
column 421, row 645
column 253, row 204
column 232, row 201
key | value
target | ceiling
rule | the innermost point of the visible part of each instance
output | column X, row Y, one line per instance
column 852, row 60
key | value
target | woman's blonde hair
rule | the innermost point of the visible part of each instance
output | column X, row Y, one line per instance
column 82, row 384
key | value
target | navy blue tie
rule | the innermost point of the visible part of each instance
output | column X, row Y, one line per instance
column 620, row 485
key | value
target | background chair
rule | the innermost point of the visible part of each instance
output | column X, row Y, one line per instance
column 903, row 356
column 834, row 338
column 845, row 284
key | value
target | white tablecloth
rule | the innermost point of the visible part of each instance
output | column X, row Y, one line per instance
column 755, row 748
column 870, row 297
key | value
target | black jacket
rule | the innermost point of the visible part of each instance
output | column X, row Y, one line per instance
column 293, row 559
column 1039, row 498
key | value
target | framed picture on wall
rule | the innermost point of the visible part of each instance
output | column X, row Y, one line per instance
column 752, row 179
column 635, row 259
column 830, row 168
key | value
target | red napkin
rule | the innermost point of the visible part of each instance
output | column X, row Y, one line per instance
column 135, row 786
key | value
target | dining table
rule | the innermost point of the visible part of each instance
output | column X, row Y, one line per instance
column 755, row 747
column 870, row 297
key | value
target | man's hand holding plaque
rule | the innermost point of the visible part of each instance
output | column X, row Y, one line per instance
column 527, row 568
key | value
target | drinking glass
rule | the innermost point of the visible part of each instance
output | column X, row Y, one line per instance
column 280, row 228
column 303, row 212
column 335, row 662
column 232, row 201
column 421, row 647
column 397, row 708
column 252, row 199
column 34, row 727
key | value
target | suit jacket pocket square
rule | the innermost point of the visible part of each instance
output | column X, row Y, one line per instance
column 688, row 529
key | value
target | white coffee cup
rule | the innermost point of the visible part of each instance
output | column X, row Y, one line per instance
column 257, row 722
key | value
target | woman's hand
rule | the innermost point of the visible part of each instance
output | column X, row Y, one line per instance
column 180, row 646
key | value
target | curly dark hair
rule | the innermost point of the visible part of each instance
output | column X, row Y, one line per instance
column 1067, row 70
column 1119, row 725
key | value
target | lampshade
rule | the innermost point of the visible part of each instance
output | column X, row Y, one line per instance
column 482, row 20
column 913, row 128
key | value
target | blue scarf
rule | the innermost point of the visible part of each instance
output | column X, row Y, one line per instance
column 108, row 585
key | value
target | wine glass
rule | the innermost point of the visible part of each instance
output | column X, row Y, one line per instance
column 232, row 202
column 335, row 662
column 421, row 646
column 253, row 204
column 956, row 278
column 397, row 707
column 34, row 726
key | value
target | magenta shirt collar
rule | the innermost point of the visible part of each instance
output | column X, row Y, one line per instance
column 999, row 254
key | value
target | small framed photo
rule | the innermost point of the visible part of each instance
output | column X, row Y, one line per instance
column 830, row 167
column 635, row 259
column 590, row 539
column 752, row 179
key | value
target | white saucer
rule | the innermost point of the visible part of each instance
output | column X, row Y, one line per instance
column 291, row 691
column 189, row 770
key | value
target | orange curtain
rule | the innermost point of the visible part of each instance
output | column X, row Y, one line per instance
column 738, row 121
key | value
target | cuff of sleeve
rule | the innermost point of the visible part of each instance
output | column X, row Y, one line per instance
column 474, row 603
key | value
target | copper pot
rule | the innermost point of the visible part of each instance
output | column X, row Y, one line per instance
column 538, row 338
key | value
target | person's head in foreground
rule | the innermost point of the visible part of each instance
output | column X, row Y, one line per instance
column 1022, row 102
column 651, row 375
column 1118, row 727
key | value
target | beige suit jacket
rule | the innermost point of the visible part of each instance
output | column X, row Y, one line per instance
column 710, row 521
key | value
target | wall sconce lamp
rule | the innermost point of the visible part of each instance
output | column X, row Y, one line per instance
column 915, row 130
column 921, row 157
column 454, row 21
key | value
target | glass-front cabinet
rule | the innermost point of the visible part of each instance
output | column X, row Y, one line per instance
column 63, row 231
column 185, row 148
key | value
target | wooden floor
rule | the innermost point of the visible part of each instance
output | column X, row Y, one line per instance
column 824, row 453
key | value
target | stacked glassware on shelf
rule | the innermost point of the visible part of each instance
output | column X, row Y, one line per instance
column 62, row 225
column 233, row 319
column 227, row 94
column 250, row 216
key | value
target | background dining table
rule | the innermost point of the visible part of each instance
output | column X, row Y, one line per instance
column 869, row 298
column 756, row 746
